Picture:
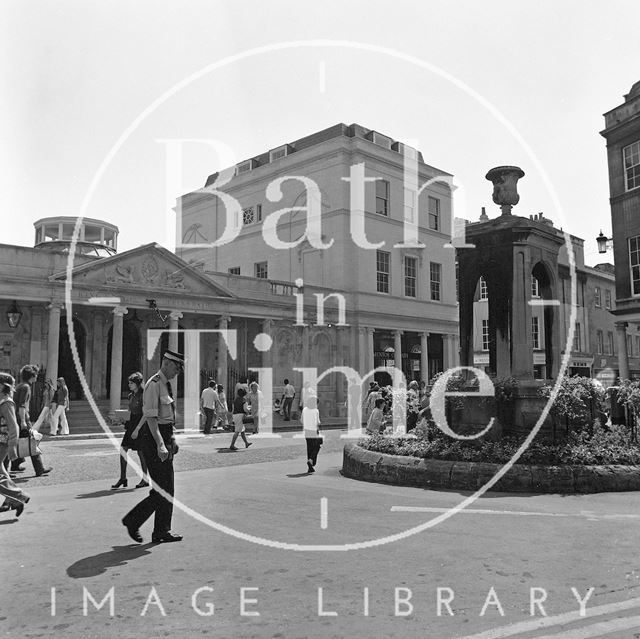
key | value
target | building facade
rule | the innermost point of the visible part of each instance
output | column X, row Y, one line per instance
column 381, row 254
column 593, row 349
column 622, row 133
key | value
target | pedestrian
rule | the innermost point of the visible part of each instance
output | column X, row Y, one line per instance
column 222, row 410
column 208, row 401
column 136, row 391
column 239, row 411
column 45, row 411
column 255, row 399
column 377, row 419
column 22, row 399
column 59, row 408
column 287, row 400
column 311, row 423
column 158, row 446
column 15, row 499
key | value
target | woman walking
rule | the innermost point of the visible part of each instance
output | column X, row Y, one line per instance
column 15, row 499
column 239, row 411
column 311, row 423
column 59, row 407
column 222, row 411
column 136, row 389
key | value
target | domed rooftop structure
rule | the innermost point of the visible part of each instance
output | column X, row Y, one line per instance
column 94, row 238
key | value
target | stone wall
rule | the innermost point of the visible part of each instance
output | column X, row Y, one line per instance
column 366, row 465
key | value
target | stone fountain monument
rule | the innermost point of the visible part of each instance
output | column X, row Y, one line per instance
column 508, row 251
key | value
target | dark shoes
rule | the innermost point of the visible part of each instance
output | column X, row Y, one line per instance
column 166, row 538
column 133, row 531
column 120, row 482
column 310, row 467
column 142, row 484
column 44, row 471
column 249, row 444
column 233, row 448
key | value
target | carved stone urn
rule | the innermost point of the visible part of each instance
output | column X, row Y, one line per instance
column 505, row 186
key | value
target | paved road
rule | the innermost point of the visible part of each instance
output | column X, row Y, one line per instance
column 257, row 527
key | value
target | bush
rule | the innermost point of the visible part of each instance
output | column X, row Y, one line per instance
column 604, row 445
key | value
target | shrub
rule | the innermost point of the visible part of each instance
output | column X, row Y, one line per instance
column 604, row 445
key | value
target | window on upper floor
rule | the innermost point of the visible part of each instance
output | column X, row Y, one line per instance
column 383, row 269
column 234, row 270
column 410, row 276
column 634, row 264
column 607, row 299
column 597, row 296
column 631, row 158
column 484, row 291
column 535, row 332
column 610, row 346
column 435, row 280
column 535, row 289
column 577, row 338
column 434, row 213
column 382, row 197
column 260, row 270
column 599, row 342
column 409, row 205
column 485, row 334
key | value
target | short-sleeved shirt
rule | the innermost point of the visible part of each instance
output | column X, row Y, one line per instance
column 156, row 400
column 135, row 402
column 22, row 398
column 310, row 421
column 238, row 405
column 289, row 391
column 209, row 397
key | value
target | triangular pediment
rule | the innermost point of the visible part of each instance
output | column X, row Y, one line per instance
column 150, row 267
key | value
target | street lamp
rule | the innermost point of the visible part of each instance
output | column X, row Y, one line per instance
column 602, row 242
column 14, row 315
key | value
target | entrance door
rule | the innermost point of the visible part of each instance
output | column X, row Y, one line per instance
column 66, row 365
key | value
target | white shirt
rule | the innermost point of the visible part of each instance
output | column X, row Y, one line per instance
column 310, row 421
column 209, row 397
column 289, row 390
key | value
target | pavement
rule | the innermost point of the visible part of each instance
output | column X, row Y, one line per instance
column 270, row 550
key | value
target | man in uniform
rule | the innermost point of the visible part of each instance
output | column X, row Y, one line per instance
column 158, row 445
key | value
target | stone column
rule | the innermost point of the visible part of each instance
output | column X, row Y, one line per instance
column 116, row 359
column 424, row 356
column 362, row 350
column 221, row 378
column 448, row 357
column 174, row 318
column 397, row 349
column 35, row 351
column 53, row 343
column 369, row 352
column 267, row 356
column 521, row 340
column 623, row 356
column 341, row 397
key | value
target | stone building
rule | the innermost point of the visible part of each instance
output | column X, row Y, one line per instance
column 593, row 352
column 392, row 294
column 622, row 133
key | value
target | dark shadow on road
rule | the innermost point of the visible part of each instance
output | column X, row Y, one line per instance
column 297, row 475
column 9, row 521
column 105, row 493
column 226, row 449
column 98, row 564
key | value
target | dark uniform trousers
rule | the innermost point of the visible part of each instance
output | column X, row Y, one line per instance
column 161, row 472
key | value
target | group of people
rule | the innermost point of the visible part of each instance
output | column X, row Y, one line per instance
column 16, row 426
column 213, row 403
column 378, row 405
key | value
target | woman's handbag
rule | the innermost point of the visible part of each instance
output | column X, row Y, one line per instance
column 28, row 444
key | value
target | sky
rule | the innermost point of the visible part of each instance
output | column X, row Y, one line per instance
column 95, row 94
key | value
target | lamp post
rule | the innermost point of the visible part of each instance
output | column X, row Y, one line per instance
column 602, row 242
column 14, row 315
